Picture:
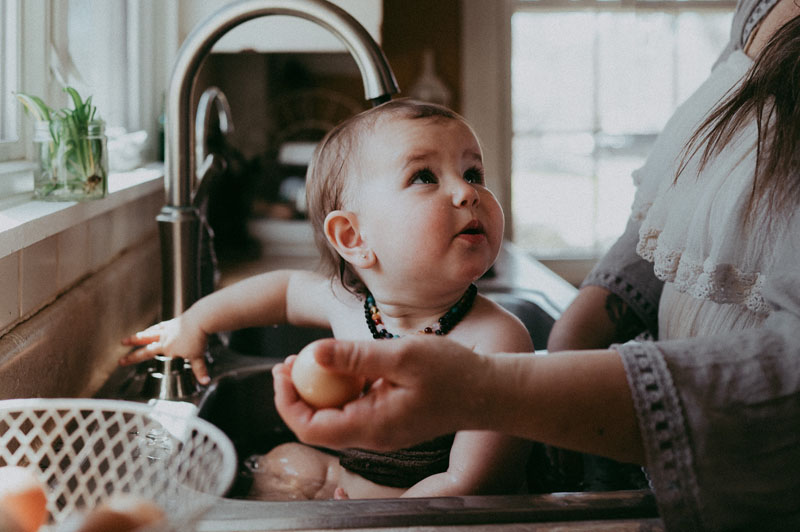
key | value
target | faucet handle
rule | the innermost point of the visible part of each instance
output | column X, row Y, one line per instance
column 171, row 379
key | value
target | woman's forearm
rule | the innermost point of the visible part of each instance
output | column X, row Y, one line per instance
column 574, row 400
column 594, row 320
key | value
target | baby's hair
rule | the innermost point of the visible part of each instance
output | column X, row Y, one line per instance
column 333, row 165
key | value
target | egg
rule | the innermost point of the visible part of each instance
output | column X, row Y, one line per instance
column 321, row 387
column 23, row 502
column 120, row 513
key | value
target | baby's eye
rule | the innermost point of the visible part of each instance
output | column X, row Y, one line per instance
column 474, row 175
column 424, row 176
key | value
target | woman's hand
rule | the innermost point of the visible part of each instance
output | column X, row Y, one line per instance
column 411, row 398
column 423, row 387
column 178, row 337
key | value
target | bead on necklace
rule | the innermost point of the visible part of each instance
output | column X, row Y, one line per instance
column 443, row 326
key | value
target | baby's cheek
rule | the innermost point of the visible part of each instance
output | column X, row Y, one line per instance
column 494, row 212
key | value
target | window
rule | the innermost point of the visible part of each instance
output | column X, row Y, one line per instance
column 106, row 49
column 12, row 132
column 9, row 22
column 592, row 84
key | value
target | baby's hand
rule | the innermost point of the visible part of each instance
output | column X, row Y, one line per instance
column 177, row 337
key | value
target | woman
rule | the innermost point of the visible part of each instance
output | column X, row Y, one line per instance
column 712, row 409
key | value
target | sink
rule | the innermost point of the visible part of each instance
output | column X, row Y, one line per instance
column 240, row 400
column 278, row 341
column 241, row 404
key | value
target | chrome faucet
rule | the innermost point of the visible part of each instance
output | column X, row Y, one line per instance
column 179, row 222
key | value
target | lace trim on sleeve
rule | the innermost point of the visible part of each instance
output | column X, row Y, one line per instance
column 721, row 283
column 643, row 306
column 669, row 459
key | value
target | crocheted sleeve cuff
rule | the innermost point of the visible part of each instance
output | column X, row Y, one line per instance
column 668, row 455
column 624, row 273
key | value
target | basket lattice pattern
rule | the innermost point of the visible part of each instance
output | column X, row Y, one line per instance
column 86, row 450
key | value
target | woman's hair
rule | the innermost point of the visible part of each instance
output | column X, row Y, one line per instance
column 770, row 93
column 336, row 162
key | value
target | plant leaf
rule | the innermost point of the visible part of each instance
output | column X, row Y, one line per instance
column 35, row 106
column 76, row 98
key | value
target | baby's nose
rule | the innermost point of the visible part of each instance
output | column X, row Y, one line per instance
column 465, row 195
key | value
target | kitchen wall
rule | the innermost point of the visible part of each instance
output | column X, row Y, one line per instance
column 412, row 26
column 67, row 299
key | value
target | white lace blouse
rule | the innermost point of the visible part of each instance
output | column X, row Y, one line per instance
column 718, row 395
column 694, row 229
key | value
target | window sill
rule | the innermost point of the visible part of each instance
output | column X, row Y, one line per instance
column 25, row 221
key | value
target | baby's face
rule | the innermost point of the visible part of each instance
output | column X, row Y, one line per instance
column 422, row 203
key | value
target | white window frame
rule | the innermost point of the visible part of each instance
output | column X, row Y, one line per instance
column 9, row 63
column 486, row 80
column 149, row 63
column 31, row 69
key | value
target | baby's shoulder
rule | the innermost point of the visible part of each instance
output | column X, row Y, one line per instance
column 311, row 294
column 493, row 329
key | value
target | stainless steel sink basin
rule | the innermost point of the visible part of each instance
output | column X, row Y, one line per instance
column 240, row 401
column 274, row 342
column 241, row 404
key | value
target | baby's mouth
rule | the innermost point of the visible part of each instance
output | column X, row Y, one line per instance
column 473, row 230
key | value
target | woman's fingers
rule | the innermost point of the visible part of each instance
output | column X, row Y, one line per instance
column 286, row 397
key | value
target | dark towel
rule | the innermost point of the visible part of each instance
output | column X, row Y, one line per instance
column 403, row 468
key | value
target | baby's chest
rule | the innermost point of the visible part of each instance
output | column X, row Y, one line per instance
column 348, row 323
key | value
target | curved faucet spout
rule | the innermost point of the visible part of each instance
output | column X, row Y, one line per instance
column 379, row 81
column 179, row 222
column 179, row 261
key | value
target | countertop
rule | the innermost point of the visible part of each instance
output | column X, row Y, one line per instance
column 602, row 511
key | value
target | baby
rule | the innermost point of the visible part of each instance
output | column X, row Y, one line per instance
column 405, row 224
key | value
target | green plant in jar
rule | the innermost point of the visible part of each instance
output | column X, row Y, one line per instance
column 71, row 149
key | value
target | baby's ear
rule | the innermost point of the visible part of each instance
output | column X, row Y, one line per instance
column 342, row 231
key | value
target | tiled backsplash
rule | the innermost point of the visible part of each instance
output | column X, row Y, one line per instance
column 67, row 295
column 71, row 346
column 38, row 272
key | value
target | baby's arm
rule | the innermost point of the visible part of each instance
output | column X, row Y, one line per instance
column 282, row 296
column 483, row 462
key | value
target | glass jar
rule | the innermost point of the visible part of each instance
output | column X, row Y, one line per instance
column 45, row 159
column 72, row 161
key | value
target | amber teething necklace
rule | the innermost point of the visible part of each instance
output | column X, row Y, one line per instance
column 449, row 320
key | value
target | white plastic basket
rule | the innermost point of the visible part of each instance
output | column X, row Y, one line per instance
column 85, row 450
